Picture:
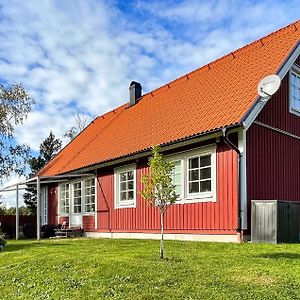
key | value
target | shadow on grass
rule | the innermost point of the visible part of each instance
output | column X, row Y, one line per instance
column 281, row 255
column 29, row 245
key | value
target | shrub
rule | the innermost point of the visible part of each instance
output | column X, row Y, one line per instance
column 2, row 240
column 29, row 230
column 48, row 230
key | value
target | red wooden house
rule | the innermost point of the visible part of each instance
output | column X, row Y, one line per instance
column 228, row 145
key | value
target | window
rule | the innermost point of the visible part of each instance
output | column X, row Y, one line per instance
column 194, row 175
column 176, row 176
column 125, row 187
column 64, row 198
column 90, row 195
column 199, row 174
column 295, row 90
column 77, row 197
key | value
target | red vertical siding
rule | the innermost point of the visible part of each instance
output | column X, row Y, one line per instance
column 207, row 217
column 52, row 204
column 105, row 194
column 88, row 223
column 63, row 219
column 273, row 162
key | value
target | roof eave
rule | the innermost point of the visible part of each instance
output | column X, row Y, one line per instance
column 164, row 147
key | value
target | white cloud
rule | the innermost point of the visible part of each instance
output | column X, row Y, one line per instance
column 8, row 199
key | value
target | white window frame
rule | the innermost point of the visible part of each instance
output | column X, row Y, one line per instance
column 59, row 199
column 294, row 70
column 81, row 196
column 85, row 195
column 44, row 205
column 71, row 197
column 117, row 173
column 185, row 196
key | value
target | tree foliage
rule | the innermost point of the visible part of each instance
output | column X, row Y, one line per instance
column 23, row 211
column 48, row 149
column 80, row 122
column 159, row 190
column 15, row 104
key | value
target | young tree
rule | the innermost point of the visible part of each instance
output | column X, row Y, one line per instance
column 48, row 148
column 15, row 104
column 159, row 190
column 80, row 122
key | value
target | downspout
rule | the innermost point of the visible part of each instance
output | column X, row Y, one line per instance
column 237, row 150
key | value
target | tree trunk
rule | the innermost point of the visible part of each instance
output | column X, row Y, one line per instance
column 162, row 234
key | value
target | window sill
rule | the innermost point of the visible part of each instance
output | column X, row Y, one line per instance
column 89, row 213
column 195, row 199
column 126, row 206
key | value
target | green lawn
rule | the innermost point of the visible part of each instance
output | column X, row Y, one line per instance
column 131, row 269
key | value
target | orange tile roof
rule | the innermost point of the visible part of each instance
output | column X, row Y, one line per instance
column 211, row 97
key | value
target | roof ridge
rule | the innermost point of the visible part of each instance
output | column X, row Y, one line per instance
column 222, row 57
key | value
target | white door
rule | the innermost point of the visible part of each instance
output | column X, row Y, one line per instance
column 44, row 205
column 76, row 205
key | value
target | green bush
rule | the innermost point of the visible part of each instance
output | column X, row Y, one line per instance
column 2, row 239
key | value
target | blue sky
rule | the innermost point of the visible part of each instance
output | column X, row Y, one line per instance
column 80, row 56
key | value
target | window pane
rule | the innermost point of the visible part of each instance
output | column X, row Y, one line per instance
column 177, row 179
column 178, row 189
column 194, row 163
column 205, row 186
column 130, row 175
column 123, row 177
column 77, row 201
column 205, row 160
column 205, row 173
column 77, row 209
column 130, row 185
column 193, row 175
column 123, row 196
column 123, row 186
column 92, row 199
column 295, row 92
column 177, row 167
column 130, row 195
column 194, row 187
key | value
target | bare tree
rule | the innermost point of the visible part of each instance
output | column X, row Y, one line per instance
column 80, row 122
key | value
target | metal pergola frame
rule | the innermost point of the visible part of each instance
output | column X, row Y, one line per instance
column 36, row 182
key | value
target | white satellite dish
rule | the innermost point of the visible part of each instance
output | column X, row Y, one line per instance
column 268, row 86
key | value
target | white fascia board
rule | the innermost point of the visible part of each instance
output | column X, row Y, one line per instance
column 243, row 178
column 261, row 102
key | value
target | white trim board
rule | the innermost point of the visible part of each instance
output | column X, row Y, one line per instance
column 243, row 178
column 228, row 238
column 261, row 102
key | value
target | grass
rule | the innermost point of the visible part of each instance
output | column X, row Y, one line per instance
column 131, row 269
